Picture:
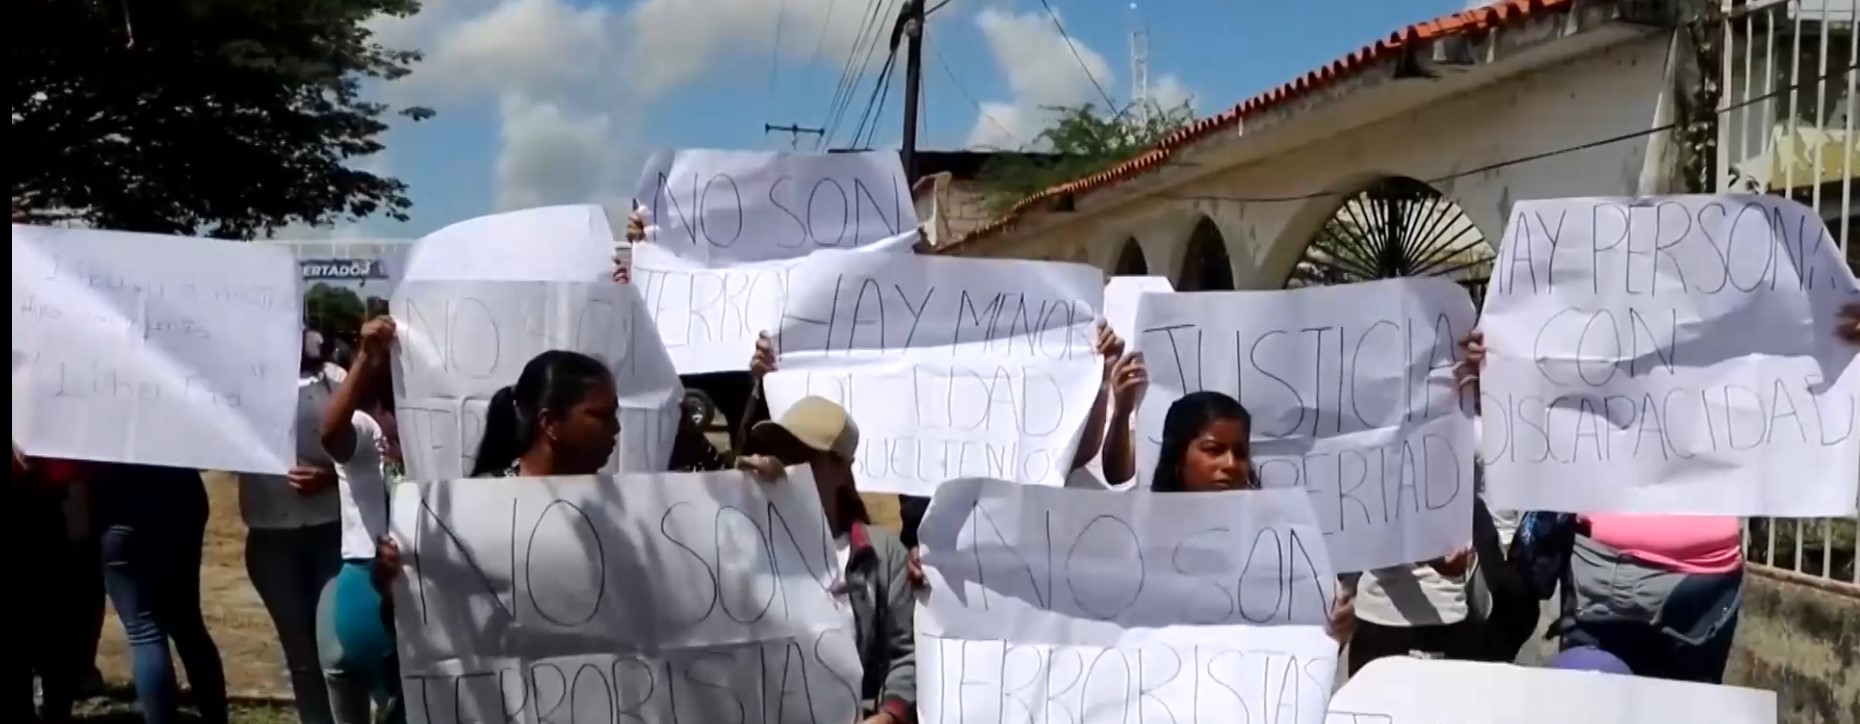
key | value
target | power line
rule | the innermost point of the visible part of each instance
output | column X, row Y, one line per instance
column 825, row 25
column 1111, row 105
column 775, row 52
column 972, row 101
column 881, row 91
column 879, row 10
column 1438, row 180
column 842, row 89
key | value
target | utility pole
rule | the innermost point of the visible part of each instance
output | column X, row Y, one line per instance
column 911, row 22
column 794, row 132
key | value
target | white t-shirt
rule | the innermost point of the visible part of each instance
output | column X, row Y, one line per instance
column 267, row 501
column 363, row 485
column 1091, row 477
column 1410, row 596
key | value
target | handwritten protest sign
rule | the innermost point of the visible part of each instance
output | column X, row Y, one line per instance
column 560, row 244
column 158, row 350
column 643, row 598
column 1120, row 301
column 461, row 341
column 1670, row 356
column 709, row 317
column 1054, row 605
column 1406, row 690
column 951, row 367
column 1353, row 401
column 722, row 208
column 547, row 244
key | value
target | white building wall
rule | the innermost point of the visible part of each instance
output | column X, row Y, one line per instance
column 1609, row 93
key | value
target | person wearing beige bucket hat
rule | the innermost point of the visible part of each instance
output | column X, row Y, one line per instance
column 874, row 565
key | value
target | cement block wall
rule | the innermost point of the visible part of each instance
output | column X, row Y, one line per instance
column 1800, row 637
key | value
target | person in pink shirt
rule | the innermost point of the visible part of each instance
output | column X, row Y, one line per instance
column 1659, row 592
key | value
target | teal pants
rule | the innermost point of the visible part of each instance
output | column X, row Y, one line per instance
column 356, row 648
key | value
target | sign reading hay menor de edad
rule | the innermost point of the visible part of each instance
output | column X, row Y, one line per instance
column 951, row 367
column 159, row 350
column 1353, row 401
column 1670, row 356
column 1087, row 607
column 642, row 598
column 459, row 342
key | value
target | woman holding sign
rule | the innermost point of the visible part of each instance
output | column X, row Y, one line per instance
column 1660, row 592
column 1206, row 448
column 354, row 639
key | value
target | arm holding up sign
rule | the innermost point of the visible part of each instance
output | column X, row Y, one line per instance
column 1110, row 349
column 1129, row 379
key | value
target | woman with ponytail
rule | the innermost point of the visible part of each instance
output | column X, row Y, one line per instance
column 560, row 418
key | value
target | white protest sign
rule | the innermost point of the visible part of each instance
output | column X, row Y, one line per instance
column 158, row 350
column 1353, row 401
column 1055, row 605
column 722, row 208
column 547, row 244
column 559, row 244
column 459, row 342
column 1120, row 301
column 1407, row 690
column 709, row 317
column 951, row 367
column 643, row 598
column 1669, row 356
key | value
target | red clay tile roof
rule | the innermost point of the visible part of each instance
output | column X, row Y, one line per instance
column 1465, row 22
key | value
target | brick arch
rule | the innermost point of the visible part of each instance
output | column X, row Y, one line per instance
column 1131, row 260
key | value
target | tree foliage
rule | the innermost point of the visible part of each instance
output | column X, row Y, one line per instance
column 1080, row 142
column 334, row 311
column 230, row 118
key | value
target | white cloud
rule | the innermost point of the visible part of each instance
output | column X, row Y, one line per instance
column 572, row 81
column 551, row 155
column 1041, row 72
column 1169, row 91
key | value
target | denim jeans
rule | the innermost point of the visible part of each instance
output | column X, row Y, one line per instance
column 289, row 567
column 151, row 561
column 1663, row 624
column 357, row 648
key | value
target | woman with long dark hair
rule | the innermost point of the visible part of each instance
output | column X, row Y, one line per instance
column 562, row 417
column 1206, row 447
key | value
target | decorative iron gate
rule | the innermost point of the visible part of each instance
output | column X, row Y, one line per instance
column 1396, row 227
column 1786, row 127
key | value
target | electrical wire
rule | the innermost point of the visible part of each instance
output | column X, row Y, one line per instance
column 842, row 90
column 880, row 10
column 972, row 101
column 1110, row 105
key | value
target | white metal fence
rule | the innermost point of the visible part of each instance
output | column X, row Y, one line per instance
column 1788, row 83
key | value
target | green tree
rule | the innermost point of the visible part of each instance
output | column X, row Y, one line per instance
column 1080, row 142
column 334, row 311
column 229, row 118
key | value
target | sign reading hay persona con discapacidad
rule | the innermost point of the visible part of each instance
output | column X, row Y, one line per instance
column 1670, row 355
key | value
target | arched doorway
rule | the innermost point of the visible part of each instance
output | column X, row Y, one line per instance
column 1205, row 267
column 1130, row 261
column 1396, row 227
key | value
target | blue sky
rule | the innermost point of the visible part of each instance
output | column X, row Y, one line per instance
column 558, row 101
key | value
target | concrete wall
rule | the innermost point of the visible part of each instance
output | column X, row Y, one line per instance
column 1611, row 92
column 1803, row 642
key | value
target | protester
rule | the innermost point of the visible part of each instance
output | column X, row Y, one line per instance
column 874, row 565
column 44, row 508
column 1660, row 592
column 1207, row 447
column 560, row 418
column 355, row 641
column 1125, row 380
column 293, row 532
column 153, row 521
